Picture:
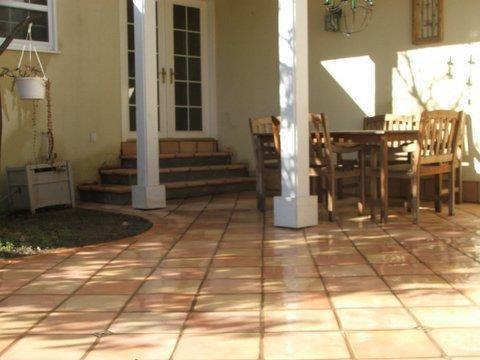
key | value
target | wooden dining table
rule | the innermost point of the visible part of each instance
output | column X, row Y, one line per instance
column 378, row 141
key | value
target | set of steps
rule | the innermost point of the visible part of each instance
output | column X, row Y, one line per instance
column 188, row 168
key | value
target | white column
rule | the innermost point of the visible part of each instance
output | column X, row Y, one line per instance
column 148, row 194
column 295, row 208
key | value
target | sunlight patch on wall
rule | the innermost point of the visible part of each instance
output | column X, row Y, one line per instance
column 446, row 77
column 356, row 76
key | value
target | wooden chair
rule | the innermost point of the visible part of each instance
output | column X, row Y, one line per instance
column 436, row 155
column 327, row 167
column 391, row 122
column 266, row 142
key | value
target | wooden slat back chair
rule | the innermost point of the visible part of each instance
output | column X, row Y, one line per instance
column 443, row 132
column 266, row 142
column 327, row 167
column 436, row 155
column 390, row 122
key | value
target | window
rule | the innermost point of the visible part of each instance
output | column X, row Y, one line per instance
column 13, row 12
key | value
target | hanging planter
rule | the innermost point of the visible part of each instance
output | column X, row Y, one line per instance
column 30, row 86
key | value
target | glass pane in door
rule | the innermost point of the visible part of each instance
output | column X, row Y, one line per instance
column 131, row 67
column 188, row 77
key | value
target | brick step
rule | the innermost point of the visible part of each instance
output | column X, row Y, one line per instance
column 115, row 176
column 182, row 159
column 170, row 146
column 121, row 194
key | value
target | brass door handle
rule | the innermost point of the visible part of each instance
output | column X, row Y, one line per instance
column 164, row 75
column 172, row 76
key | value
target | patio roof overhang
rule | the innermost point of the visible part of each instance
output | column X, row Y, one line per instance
column 295, row 208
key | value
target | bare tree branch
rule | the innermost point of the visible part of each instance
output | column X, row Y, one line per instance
column 8, row 40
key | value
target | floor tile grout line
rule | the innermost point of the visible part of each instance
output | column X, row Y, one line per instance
column 261, row 352
column 46, row 313
column 199, row 289
column 67, row 298
column 441, row 276
column 405, row 307
column 327, row 294
column 154, row 268
column 417, row 321
column 74, row 252
column 476, row 259
column 468, row 212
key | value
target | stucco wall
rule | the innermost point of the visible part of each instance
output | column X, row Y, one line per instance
column 247, row 63
column 85, row 91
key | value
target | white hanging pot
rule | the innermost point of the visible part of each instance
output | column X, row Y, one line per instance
column 31, row 88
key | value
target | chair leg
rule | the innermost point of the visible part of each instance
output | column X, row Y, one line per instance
column 438, row 193
column 373, row 184
column 320, row 189
column 340, row 195
column 408, row 201
column 451, row 195
column 331, row 198
column 415, row 197
column 460, row 184
column 361, row 205
column 261, row 189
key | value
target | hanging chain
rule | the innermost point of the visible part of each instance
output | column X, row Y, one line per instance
column 51, row 140
column 34, row 123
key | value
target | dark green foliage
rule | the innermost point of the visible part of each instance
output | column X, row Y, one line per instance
column 24, row 234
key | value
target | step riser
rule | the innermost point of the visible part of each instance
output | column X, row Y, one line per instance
column 126, row 198
column 173, row 146
column 172, row 177
column 182, row 162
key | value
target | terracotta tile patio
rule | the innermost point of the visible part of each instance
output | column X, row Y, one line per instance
column 213, row 279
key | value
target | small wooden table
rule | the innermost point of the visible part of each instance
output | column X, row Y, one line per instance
column 379, row 141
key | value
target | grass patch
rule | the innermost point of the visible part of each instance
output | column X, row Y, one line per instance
column 26, row 234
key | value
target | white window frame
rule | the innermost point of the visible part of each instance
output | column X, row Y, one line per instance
column 41, row 46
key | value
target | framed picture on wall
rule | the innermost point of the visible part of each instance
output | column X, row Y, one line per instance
column 427, row 21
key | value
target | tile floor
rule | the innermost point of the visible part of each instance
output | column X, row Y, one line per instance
column 213, row 279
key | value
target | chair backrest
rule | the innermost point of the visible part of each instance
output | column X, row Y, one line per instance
column 267, row 126
column 321, row 144
column 264, row 125
column 390, row 122
column 441, row 134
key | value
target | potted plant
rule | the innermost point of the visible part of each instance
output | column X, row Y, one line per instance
column 30, row 85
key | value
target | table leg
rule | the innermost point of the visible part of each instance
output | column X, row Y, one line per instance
column 384, row 180
column 373, row 183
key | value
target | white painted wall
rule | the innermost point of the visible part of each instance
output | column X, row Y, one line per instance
column 247, row 61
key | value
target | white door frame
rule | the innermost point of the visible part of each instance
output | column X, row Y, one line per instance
column 209, row 91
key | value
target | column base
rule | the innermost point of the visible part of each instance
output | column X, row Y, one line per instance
column 296, row 213
column 149, row 197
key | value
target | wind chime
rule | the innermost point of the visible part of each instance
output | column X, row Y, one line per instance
column 469, row 83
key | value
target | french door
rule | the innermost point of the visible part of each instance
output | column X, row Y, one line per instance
column 183, row 65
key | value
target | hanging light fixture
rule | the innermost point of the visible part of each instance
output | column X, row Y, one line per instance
column 348, row 16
